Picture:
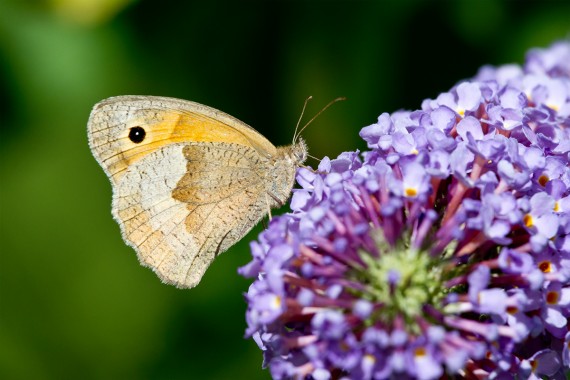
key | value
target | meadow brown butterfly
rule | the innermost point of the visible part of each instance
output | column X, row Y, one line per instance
column 188, row 180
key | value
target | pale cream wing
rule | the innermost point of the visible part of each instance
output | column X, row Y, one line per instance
column 187, row 203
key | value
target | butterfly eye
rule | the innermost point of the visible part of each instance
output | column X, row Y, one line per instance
column 137, row 134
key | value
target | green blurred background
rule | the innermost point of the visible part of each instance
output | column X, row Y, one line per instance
column 74, row 303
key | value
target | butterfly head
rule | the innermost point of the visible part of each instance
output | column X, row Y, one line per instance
column 299, row 152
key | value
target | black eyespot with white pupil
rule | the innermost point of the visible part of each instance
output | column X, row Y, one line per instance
column 137, row 134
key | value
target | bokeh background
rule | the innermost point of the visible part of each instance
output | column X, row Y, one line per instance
column 74, row 303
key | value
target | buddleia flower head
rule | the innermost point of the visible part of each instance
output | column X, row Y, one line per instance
column 444, row 249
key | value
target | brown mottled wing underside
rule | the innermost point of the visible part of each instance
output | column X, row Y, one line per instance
column 179, row 232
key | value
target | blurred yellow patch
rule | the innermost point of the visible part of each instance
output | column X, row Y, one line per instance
column 410, row 192
column 88, row 12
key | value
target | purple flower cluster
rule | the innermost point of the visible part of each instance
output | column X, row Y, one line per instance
column 444, row 250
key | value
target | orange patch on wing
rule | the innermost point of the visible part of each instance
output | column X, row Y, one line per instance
column 198, row 128
column 171, row 128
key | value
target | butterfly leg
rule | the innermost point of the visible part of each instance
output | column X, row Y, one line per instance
column 268, row 207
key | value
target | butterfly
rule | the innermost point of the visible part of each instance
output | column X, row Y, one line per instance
column 188, row 181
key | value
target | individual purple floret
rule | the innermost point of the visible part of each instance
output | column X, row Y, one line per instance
column 441, row 252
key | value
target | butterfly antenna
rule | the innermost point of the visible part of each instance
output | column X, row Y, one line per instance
column 314, row 158
column 295, row 135
column 317, row 115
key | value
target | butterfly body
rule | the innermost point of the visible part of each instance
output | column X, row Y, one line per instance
column 188, row 181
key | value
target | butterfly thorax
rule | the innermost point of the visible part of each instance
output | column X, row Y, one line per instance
column 284, row 166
